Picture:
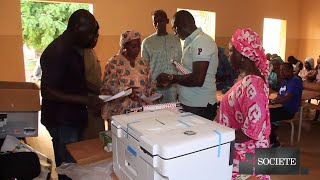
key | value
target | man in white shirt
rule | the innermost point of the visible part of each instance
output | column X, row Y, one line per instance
column 197, row 90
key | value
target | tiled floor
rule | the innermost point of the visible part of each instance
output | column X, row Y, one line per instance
column 309, row 146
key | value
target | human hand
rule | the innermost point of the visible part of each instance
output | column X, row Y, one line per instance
column 272, row 101
column 163, row 80
column 135, row 94
column 95, row 103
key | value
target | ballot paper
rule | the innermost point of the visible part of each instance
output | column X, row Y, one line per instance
column 151, row 98
column 180, row 67
column 173, row 105
column 107, row 98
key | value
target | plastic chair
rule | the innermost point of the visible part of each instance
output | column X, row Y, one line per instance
column 290, row 121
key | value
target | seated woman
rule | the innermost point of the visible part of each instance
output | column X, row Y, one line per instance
column 126, row 70
column 245, row 106
column 274, row 78
column 309, row 73
column 226, row 74
column 317, row 80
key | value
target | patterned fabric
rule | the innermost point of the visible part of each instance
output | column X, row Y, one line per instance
column 245, row 106
column 279, row 59
column 310, row 61
column 159, row 50
column 273, row 80
column 126, row 37
column 119, row 76
column 226, row 74
column 248, row 43
column 318, row 74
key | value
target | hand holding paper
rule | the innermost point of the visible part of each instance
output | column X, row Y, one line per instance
column 151, row 98
column 107, row 98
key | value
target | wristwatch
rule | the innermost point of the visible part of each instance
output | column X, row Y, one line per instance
column 170, row 76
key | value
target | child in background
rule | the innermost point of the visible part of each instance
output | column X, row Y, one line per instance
column 316, row 118
column 318, row 71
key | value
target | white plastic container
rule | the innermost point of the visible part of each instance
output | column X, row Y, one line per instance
column 166, row 144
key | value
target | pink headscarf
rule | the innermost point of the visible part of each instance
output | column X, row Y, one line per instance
column 127, row 37
column 248, row 43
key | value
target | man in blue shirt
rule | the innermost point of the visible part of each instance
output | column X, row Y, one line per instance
column 197, row 90
column 289, row 96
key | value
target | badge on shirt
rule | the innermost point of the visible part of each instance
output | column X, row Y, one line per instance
column 282, row 89
column 199, row 51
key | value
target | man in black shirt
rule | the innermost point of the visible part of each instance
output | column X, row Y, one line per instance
column 63, row 84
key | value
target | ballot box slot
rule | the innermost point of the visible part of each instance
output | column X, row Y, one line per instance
column 145, row 151
column 231, row 152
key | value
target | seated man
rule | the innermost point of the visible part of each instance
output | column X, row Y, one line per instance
column 289, row 96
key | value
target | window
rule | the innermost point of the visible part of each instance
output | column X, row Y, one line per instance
column 205, row 20
column 274, row 36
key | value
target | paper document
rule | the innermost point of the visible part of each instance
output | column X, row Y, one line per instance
column 180, row 67
column 151, row 98
column 107, row 98
column 173, row 105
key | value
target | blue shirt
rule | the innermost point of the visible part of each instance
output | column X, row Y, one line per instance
column 200, row 47
column 294, row 87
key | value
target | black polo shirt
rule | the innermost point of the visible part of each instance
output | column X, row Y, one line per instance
column 62, row 67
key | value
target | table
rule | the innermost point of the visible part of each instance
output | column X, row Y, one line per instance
column 88, row 151
column 306, row 95
column 273, row 95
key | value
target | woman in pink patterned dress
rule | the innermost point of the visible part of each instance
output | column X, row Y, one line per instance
column 245, row 106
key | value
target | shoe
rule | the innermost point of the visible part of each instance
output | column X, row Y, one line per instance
column 275, row 144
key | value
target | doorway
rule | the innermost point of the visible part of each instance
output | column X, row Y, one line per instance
column 42, row 22
column 274, row 36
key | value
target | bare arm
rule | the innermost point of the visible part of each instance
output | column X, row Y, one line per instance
column 59, row 96
column 92, row 88
column 195, row 79
column 281, row 100
column 241, row 137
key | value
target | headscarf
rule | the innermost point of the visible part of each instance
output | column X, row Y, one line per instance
column 310, row 61
column 279, row 59
column 127, row 37
column 248, row 43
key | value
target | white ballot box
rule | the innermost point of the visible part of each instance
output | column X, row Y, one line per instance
column 170, row 145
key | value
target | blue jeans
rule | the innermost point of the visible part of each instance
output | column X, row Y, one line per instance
column 61, row 136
